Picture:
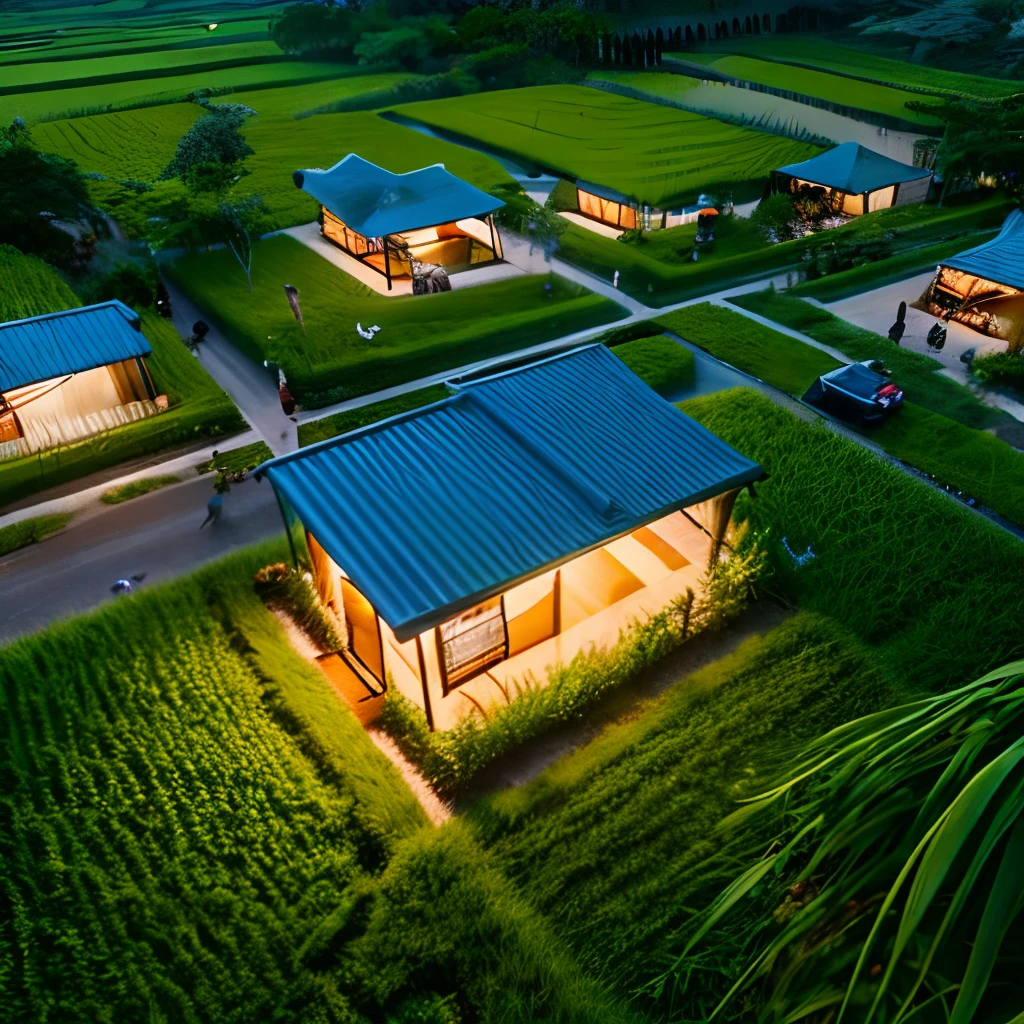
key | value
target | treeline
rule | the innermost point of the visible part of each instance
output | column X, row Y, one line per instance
column 499, row 47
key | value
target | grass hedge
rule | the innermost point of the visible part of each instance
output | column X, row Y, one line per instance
column 910, row 570
column 327, row 361
column 31, row 531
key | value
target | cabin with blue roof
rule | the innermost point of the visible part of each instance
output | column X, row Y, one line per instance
column 405, row 226
column 476, row 543
column 68, row 375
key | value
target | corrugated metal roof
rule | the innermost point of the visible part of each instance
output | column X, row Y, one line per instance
column 55, row 344
column 431, row 511
column 854, row 168
column 373, row 201
column 1001, row 259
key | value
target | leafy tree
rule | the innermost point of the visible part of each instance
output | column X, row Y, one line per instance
column 403, row 45
column 481, row 28
column 216, row 138
column 40, row 192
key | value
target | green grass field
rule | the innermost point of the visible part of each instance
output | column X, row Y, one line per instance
column 657, row 154
column 55, row 104
column 617, row 842
column 420, row 335
column 834, row 88
column 30, row 287
column 825, row 53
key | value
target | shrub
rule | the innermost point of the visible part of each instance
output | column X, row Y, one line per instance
column 776, row 216
column 137, row 488
column 563, row 197
column 449, row 759
column 1000, row 367
column 31, row 531
column 292, row 591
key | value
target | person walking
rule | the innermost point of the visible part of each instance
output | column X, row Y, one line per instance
column 615, row 280
column 214, row 507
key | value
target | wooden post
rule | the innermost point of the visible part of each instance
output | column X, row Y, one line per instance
column 494, row 243
column 387, row 262
column 423, row 680
column 557, row 594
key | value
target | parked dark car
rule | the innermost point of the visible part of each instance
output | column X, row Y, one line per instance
column 855, row 393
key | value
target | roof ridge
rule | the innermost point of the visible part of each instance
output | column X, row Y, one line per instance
column 74, row 311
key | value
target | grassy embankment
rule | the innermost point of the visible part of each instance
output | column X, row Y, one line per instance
column 825, row 53
column 190, row 807
column 420, row 335
column 662, row 363
column 199, row 409
column 31, row 531
column 822, row 85
column 138, row 488
column 659, row 270
column 942, row 428
column 657, row 155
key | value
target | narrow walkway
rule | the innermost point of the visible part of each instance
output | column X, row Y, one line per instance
column 783, row 329
column 250, row 387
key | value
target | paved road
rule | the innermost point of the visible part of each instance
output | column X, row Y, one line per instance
column 157, row 535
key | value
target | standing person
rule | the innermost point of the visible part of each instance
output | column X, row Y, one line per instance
column 214, row 507
column 615, row 279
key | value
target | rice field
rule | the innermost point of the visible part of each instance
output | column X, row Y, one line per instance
column 656, row 154
column 821, row 85
column 52, row 104
column 30, row 287
column 826, row 54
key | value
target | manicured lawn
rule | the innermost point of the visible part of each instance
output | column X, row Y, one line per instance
column 352, row 419
column 420, row 335
column 821, row 85
column 825, row 53
column 656, row 154
column 926, row 580
column 31, row 531
column 617, row 842
column 137, row 488
column 775, row 358
column 199, row 409
column 237, row 460
column 659, row 361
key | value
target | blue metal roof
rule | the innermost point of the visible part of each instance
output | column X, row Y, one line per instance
column 1001, row 259
column 55, row 344
column 374, row 202
column 854, row 168
column 434, row 510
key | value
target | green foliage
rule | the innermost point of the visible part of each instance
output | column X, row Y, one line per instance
column 451, row 758
column 563, row 197
column 351, row 419
column 29, row 287
column 40, row 192
column 522, row 215
column 31, row 531
column 776, row 215
column 1002, row 367
column 666, row 155
column 137, row 488
column 419, row 336
column 662, row 363
column 776, row 358
column 292, row 591
column 889, row 551
column 402, row 45
column 897, row 878
column 133, row 283
column 618, row 842
column 213, row 139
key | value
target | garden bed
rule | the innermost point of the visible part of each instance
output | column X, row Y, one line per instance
column 327, row 361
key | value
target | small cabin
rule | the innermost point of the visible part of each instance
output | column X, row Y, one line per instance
column 983, row 287
column 855, row 180
column 469, row 546
column 66, row 376
column 397, row 223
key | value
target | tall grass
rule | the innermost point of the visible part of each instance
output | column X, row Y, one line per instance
column 909, row 569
